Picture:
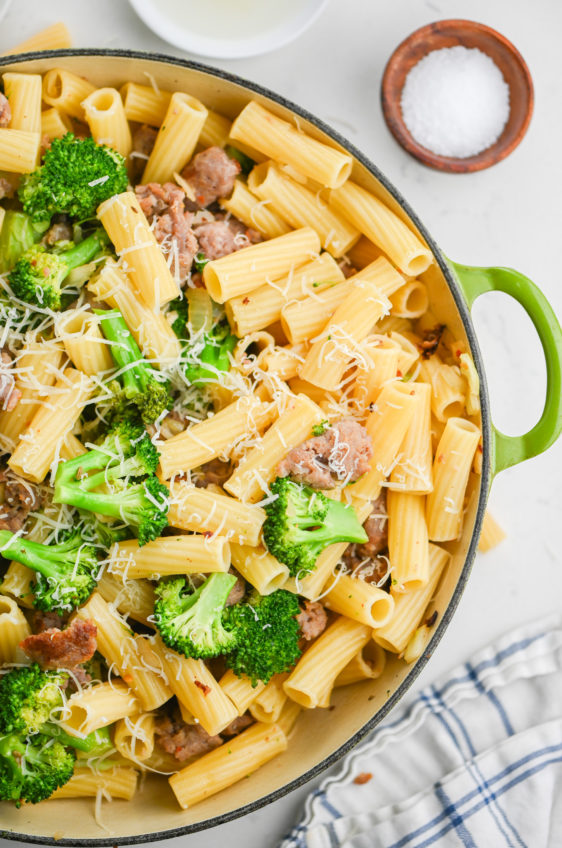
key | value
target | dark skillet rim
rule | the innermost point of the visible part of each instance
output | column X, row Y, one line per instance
column 446, row 617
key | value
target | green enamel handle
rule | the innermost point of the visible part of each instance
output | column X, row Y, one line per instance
column 510, row 450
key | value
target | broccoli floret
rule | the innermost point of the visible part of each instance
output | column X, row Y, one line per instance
column 191, row 621
column 76, row 176
column 17, row 234
column 100, row 533
column 301, row 522
column 206, row 364
column 28, row 696
column 31, row 768
column 124, row 462
column 267, row 634
column 138, row 385
column 65, row 572
column 38, row 276
column 320, row 429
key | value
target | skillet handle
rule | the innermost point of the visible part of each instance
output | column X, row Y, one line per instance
column 474, row 281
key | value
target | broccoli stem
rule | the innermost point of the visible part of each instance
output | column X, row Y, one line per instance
column 42, row 558
column 84, row 252
column 114, row 506
column 339, row 524
column 95, row 743
column 125, row 351
column 206, row 602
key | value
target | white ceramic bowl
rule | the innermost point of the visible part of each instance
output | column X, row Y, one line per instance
column 228, row 30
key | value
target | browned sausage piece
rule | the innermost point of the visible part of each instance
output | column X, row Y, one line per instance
column 165, row 209
column 211, row 175
column 60, row 231
column 54, row 648
column 184, row 740
column 20, row 497
column 5, row 111
column 312, row 620
column 238, row 725
column 376, row 527
column 342, row 453
column 238, row 590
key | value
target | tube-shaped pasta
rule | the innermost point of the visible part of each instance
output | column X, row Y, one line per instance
column 98, row 706
column 240, row 690
column 248, row 269
column 144, row 104
column 191, row 554
column 387, row 425
column 367, row 664
column 117, row 782
column 216, row 436
column 38, row 445
column 491, row 534
column 338, row 344
column 176, row 139
column 54, row 37
column 24, row 95
column 257, row 469
column 71, row 447
column 84, row 342
column 411, row 301
column 150, row 329
column 259, row 568
column 363, row 253
column 38, row 367
column 254, row 212
column 19, row 150
column 136, row 245
column 279, row 140
column 119, row 646
column 134, row 736
column 133, row 598
column 216, row 130
column 13, row 628
column 105, row 116
column 263, row 306
column 17, row 581
column 195, row 687
column 408, row 543
column 271, row 700
column 283, row 363
column 201, row 510
column 359, row 600
column 413, row 472
column 409, row 607
column 301, row 207
column 54, row 124
column 383, row 227
column 306, row 319
column 231, row 762
column 66, row 91
column 449, row 388
column 451, row 469
column 377, row 366
column 409, row 353
column 319, row 666
column 289, row 715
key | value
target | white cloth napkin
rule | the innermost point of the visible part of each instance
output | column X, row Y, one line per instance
column 475, row 761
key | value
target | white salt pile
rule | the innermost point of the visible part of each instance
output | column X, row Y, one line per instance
column 455, row 101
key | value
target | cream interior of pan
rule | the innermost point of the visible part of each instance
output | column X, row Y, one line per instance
column 319, row 733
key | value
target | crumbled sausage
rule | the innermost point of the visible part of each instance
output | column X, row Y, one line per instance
column 60, row 231
column 6, row 188
column 238, row 590
column 143, row 142
column 54, row 648
column 20, row 497
column 430, row 340
column 5, row 111
column 342, row 452
column 224, row 236
column 213, row 473
column 364, row 559
column 312, row 620
column 184, row 740
column 45, row 620
column 9, row 394
column 165, row 209
column 238, row 725
column 211, row 175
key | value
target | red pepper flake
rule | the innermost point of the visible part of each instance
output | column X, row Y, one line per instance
column 203, row 686
column 441, row 458
column 362, row 778
column 207, row 534
column 200, row 198
column 246, row 301
column 479, row 448
column 399, row 373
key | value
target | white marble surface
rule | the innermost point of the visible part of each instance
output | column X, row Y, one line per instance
column 508, row 215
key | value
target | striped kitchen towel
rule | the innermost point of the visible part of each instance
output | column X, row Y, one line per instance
column 474, row 761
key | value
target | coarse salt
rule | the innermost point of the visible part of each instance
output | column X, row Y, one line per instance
column 455, row 102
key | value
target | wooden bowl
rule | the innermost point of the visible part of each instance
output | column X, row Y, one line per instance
column 452, row 33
